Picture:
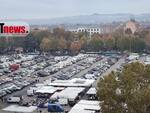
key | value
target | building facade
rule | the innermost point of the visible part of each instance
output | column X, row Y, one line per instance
column 131, row 26
column 103, row 29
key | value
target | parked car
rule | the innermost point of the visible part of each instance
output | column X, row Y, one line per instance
column 42, row 73
column 13, row 99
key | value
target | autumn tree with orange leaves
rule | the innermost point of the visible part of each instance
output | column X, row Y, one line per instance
column 75, row 46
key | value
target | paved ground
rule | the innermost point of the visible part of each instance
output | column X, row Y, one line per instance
column 116, row 65
column 23, row 92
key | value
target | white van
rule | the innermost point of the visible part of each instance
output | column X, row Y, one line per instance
column 13, row 99
column 63, row 101
column 30, row 92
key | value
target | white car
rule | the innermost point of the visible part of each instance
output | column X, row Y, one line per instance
column 14, row 99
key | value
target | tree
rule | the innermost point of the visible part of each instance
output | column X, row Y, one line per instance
column 147, row 39
column 3, row 44
column 39, row 35
column 95, row 44
column 58, row 32
column 75, row 46
column 62, row 44
column 46, row 44
column 110, row 44
column 127, row 91
column 30, row 44
column 83, row 42
column 138, row 45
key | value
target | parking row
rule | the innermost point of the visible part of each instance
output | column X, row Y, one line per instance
column 80, row 66
column 31, row 71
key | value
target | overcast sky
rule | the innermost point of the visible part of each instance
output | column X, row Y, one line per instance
column 27, row 9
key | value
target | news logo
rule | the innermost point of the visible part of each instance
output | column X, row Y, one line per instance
column 17, row 29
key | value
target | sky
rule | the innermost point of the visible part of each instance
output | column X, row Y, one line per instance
column 32, row 9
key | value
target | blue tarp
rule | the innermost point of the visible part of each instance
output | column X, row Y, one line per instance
column 55, row 108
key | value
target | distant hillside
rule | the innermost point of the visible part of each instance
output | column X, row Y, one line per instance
column 91, row 19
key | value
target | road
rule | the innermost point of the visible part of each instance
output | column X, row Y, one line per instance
column 112, row 68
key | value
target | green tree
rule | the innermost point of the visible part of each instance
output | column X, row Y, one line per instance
column 110, row 43
column 127, row 91
column 95, row 44
column 62, row 44
column 75, row 47
column 83, row 41
column 3, row 44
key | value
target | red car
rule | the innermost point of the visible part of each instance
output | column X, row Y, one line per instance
column 14, row 67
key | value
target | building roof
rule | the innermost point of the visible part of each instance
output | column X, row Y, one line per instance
column 46, row 89
column 20, row 109
column 85, row 106
column 91, row 91
column 132, row 25
column 76, row 82
column 70, row 93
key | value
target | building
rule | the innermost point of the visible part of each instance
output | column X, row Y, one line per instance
column 88, row 30
column 86, row 106
column 39, row 28
column 92, row 29
column 131, row 26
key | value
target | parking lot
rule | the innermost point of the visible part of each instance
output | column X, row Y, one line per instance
column 36, row 71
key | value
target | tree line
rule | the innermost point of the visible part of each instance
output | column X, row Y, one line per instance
column 61, row 40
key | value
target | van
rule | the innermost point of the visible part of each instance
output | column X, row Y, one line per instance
column 13, row 99
column 30, row 92
column 63, row 101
